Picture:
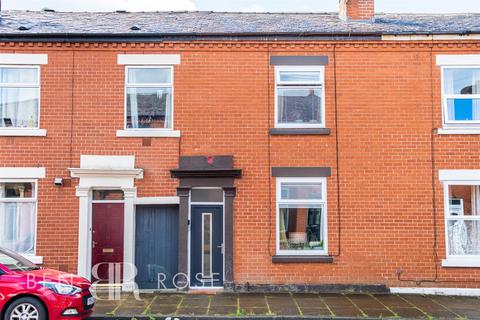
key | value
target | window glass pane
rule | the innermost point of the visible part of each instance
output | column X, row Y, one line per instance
column 462, row 81
column 17, row 190
column 108, row 195
column 463, row 109
column 19, row 107
column 149, row 75
column 17, row 226
column 464, row 201
column 299, row 105
column 149, row 107
column 207, row 246
column 207, row 195
column 300, row 76
column 301, row 191
column 464, row 237
column 300, row 227
column 18, row 75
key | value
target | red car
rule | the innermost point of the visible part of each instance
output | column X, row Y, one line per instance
column 28, row 292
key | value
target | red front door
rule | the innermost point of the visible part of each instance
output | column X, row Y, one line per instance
column 107, row 241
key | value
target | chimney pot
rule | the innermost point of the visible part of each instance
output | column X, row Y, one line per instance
column 363, row 10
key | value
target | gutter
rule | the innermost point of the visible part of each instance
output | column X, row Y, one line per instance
column 161, row 37
column 250, row 36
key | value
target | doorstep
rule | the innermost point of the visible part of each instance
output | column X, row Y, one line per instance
column 286, row 306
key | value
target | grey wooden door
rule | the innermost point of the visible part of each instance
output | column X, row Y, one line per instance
column 156, row 246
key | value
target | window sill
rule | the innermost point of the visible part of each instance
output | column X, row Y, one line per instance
column 458, row 131
column 299, row 131
column 23, row 132
column 149, row 133
column 34, row 259
column 461, row 263
column 301, row 259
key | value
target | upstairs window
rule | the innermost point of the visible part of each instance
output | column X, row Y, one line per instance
column 149, row 97
column 19, row 97
column 299, row 101
column 461, row 95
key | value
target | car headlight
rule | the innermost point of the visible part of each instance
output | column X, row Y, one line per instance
column 61, row 288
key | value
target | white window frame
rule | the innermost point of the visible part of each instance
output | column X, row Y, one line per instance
column 322, row 203
column 20, row 131
column 31, row 256
column 300, row 85
column 458, row 178
column 447, row 123
column 149, row 132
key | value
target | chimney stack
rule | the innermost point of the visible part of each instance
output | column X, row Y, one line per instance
column 360, row 10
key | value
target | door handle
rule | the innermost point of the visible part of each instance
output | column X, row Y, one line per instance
column 222, row 246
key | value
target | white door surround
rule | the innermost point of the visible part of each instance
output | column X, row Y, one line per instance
column 105, row 172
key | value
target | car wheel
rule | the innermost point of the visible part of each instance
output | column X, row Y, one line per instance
column 26, row 309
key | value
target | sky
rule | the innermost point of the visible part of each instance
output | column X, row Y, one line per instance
column 402, row 6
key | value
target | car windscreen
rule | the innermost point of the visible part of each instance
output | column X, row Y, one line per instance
column 15, row 262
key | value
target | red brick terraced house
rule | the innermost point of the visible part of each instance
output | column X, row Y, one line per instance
column 247, row 151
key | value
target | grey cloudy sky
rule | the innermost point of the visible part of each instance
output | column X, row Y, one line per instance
column 405, row 6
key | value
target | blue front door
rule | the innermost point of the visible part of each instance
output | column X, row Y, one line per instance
column 206, row 246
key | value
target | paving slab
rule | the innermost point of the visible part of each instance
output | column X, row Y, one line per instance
column 363, row 301
column 392, row 301
column 132, row 307
column 282, row 304
column 378, row 313
column 350, row 312
column 167, row 299
column 311, row 303
column 464, row 307
column 186, row 311
column 252, row 301
column 253, row 311
column 195, row 301
column 324, row 312
column 224, row 300
column 429, row 307
column 222, row 310
column 409, row 313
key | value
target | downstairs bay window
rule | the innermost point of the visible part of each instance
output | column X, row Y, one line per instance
column 18, row 202
column 301, row 216
column 149, row 97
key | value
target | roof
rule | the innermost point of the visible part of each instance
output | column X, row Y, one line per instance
column 18, row 24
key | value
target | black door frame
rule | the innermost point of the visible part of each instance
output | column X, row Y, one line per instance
column 198, row 172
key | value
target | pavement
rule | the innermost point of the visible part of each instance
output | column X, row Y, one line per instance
column 173, row 306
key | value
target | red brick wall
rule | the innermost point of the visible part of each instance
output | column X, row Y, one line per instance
column 388, row 104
